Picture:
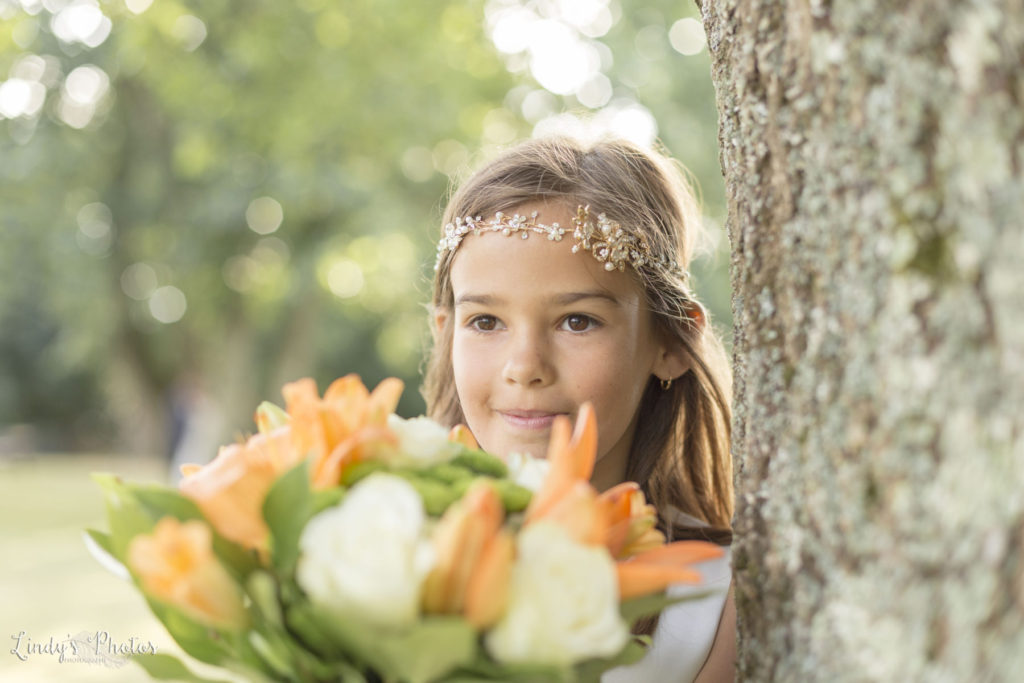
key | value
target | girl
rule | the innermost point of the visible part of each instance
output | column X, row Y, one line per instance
column 561, row 278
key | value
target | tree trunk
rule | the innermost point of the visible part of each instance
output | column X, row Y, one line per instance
column 872, row 156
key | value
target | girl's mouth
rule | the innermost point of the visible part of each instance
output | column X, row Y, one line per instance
column 529, row 419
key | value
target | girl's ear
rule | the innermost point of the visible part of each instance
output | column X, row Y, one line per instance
column 673, row 360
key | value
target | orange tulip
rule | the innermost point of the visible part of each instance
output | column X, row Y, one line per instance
column 471, row 565
column 653, row 570
column 620, row 518
column 175, row 564
column 461, row 434
column 580, row 513
column 572, row 461
column 344, row 427
column 487, row 589
column 631, row 521
column 231, row 489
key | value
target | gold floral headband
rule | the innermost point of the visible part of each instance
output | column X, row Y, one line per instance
column 606, row 241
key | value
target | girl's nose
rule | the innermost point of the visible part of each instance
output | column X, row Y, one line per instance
column 528, row 363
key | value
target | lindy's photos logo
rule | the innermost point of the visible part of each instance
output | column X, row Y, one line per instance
column 86, row 647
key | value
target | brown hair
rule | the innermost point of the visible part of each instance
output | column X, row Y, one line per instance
column 680, row 453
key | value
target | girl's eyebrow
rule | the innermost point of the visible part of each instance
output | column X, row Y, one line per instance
column 559, row 300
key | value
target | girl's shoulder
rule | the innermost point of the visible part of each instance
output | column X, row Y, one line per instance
column 686, row 631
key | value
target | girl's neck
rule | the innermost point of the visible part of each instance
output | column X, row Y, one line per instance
column 608, row 471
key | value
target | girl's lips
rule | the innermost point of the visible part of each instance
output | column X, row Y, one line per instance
column 529, row 419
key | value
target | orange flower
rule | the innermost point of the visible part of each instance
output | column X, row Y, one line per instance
column 344, row 427
column 231, row 489
column 175, row 563
column 460, row 434
column 653, row 570
column 572, row 461
column 631, row 521
column 487, row 589
column 474, row 558
column 620, row 518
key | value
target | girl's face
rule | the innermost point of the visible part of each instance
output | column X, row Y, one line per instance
column 538, row 331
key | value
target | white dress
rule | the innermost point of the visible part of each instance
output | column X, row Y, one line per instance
column 685, row 631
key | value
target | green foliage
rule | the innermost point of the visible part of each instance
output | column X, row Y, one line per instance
column 423, row 652
column 287, row 508
column 481, row 463
column 637, row 608
column 163, row 667
column 342, row 114
column 312, row 104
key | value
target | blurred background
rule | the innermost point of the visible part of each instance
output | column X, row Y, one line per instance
column 200, row 201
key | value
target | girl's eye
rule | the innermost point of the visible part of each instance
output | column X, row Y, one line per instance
column 484, row 323
column 578, row 322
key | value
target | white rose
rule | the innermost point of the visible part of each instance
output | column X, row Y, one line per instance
column 527, row 471
column 367, row 557
column 421, row 442
column 563, row 602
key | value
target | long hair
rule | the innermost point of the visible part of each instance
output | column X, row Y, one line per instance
column 680, row 452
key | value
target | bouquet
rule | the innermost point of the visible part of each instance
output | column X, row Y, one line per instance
column 344, row 543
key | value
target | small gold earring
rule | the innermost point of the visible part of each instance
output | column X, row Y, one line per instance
column 666, row 383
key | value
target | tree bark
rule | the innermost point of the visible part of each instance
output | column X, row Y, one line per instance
column 872, row 156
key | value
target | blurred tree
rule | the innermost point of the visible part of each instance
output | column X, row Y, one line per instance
column 201, row 201
column 231, row 193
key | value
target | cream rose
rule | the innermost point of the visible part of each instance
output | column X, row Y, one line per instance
column 563, row 602
column 526, row 470
column 367, row 557
column 421, row 442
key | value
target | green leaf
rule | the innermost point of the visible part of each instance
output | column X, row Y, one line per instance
column 423, row 652
column 514, row 497
column 169, row 668
column 482, row 463
column 239, row 561
column 262, row 588
column 160, row 501
column 646, row 605
column 361, row 470
column 435, row 495
column 155, row 501
column 103, row 552
column 485, row 669
column 306, row 626
column 287, row 508
column 447, row 473
column 204, row 643
column 325, row 498
column 273, row 653
column 125, row 514
column 592, row 669
column 102, row 539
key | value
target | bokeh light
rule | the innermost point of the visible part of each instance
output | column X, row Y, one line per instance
column 264, row 215
column 20, row 97
column 417, row 164
column 190, row 31
column 81, row 21
column 687, row 36
column 137, row 6
column 345, row 278
column 167, row 304
column 139, row 281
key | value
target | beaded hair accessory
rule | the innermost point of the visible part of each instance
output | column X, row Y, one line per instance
column 606, row 241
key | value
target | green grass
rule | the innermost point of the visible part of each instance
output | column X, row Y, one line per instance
column 50, row 586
